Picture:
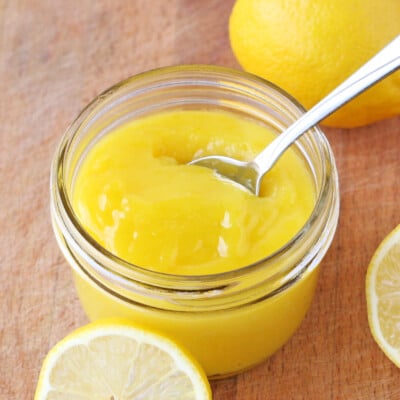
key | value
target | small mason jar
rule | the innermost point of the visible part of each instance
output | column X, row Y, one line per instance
column 229, row 321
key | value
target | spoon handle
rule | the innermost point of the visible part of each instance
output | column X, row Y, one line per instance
column 381, row 65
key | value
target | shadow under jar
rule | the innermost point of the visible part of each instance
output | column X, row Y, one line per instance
column 230, row 321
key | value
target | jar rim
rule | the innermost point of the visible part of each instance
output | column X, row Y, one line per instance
column 76, row 232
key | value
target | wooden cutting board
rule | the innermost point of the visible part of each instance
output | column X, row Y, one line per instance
column 55, row 57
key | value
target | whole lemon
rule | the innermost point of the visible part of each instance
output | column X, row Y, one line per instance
column 308, row 47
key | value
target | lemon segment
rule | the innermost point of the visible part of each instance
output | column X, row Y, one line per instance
column 116, row 361
column 383, row 295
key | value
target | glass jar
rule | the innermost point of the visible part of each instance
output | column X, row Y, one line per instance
column 229, row 321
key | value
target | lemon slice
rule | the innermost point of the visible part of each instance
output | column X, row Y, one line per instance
column 116, row 361
column 383, row 295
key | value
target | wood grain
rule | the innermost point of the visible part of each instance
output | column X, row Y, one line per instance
column 55, row 57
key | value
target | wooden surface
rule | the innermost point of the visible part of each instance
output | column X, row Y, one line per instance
column 57, row 55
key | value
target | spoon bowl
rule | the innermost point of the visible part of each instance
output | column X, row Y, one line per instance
column 244, row 173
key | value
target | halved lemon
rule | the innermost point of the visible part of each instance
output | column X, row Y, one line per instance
column 117, row 361
column 383, row 295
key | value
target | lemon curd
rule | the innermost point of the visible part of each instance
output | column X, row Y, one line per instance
column 177, row 248
column 137, row 197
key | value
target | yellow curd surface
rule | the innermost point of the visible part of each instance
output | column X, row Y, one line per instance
column 137, row 197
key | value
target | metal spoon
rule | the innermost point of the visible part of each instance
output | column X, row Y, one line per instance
column 249, row 174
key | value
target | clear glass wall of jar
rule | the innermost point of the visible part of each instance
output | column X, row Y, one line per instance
column 230, row 321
